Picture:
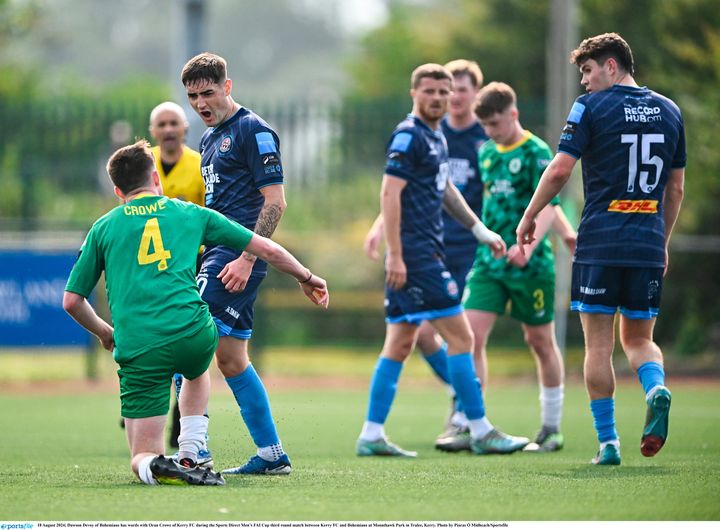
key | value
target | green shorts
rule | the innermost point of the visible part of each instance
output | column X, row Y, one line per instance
column 532, row 301
column 146, row 377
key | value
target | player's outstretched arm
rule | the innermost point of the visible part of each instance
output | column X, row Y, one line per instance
column 80, row 309
column 454, row 203
column 314, row 287
column 552, row 181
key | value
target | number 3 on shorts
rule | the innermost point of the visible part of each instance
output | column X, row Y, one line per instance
column 151, row 235
column 539, row 297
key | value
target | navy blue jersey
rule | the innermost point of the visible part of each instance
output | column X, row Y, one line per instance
column 239, row 156
column 419, row 155
column 629, row 138
column 463, row 148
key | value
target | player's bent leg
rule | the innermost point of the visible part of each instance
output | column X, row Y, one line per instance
column 145, row 436
column 193, row 356
column 193, row 423
column 399, row 342
column 599, row 333
column 485, row 438
column 542, row 343
column 456, row 435
column 481, row 324
column 254, row 403
column 434, row 351
column 647, row 360
column 151, row 467
column 231, row 356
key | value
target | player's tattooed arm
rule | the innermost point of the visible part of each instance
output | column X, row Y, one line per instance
column 268, row 219
column 270, row 214
column 455, row 205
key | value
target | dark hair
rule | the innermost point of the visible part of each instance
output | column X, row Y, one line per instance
column 494, row 98
column 130, row 167
column 204, row 67
column 431, row 70
column 601, row 48
column 461, row 67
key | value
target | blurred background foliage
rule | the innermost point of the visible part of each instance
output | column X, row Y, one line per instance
column 334, row 99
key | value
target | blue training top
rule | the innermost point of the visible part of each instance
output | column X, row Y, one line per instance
column 239, row 156
column 629, row 138
column 463, row 146
column 419, row 155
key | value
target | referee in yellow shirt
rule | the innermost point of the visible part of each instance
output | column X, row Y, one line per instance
column 177, row 164
column 179, row 170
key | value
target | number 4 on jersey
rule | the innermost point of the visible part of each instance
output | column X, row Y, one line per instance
column 151, row 235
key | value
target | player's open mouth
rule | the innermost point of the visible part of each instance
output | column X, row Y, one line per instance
column 206, row 114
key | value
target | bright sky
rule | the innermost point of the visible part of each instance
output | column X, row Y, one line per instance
column 353, row 16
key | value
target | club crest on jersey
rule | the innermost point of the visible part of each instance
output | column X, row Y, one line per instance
column 514, row 165
column 225, row 144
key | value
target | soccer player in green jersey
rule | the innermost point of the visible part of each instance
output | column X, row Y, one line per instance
column 147, row 248
column 511, row 164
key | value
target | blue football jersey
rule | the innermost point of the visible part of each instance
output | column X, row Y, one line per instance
column 463, row 146
column 419, row 155
column 239, row 157
column 629, row 138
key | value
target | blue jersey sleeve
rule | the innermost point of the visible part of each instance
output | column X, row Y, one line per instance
column 541, row 162
column 262, row 152
column 680, row 157
column 576, row 133
column 400, row 157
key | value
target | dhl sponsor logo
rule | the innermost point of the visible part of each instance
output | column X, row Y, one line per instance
column 628, row 206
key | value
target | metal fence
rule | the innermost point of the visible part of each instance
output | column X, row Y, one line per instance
column 58, row 147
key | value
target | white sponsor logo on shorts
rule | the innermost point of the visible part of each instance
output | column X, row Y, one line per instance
column 592, row 291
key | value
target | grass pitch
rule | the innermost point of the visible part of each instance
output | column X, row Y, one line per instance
column 65, row 458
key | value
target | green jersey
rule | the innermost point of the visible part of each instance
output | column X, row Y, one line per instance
column 510, row 175
column 148, row 249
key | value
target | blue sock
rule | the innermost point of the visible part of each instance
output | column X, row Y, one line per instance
column 438, row 363
column 254, row 404
column 651, row 375
column 466, row 384
column 603, row 411
column 382, row 389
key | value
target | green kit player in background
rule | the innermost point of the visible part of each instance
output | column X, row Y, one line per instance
column 510, row 165
column 147, row 248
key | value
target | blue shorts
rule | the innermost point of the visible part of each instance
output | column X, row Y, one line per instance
column 602, row 289
column 459, row 264
column 232, row 312
column 428, row 294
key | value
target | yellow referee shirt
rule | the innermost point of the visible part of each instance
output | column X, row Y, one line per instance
column 184, row 180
